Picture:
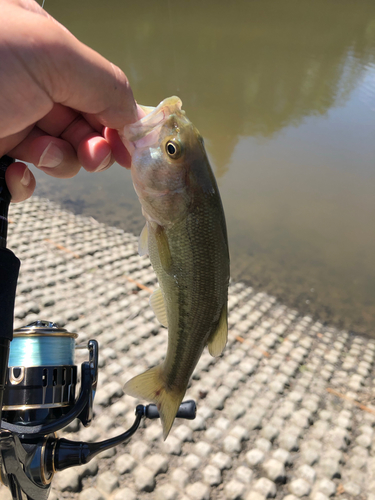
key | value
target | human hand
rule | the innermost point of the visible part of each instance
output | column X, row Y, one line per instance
column 60, row 101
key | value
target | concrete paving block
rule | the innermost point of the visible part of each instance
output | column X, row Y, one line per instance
column 211, row 475
column 231, row 445
column 198, row 491
column 89, row 469
column 202, row 449
column 254, row 457
column 124, row 463
column 91, row 494
column 183, row 433
column 325, row 486
column 234, row 490
column 255, row 495
column 180, row 478
column 68, row 480
column 263, row 444
column 275, row 470
column 138, row 450
column 107, row 482
column 299, row 487
column 306, row 472
column 154, row 432
column 282, row 456
column 318, row 495
column 124, row 494
column 165, row 492
column 221, row 460
column 265, row 487
column 156, row 463
column 192, row 462
column 244, row 474
column 144, row 478
column 172, row 446
column 352, row 488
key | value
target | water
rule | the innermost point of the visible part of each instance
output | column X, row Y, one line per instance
column 284, row 95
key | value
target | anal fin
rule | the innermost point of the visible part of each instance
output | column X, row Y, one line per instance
column 219, row 337
column 158, row 306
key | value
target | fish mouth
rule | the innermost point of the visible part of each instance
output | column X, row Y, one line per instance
column 145, row 132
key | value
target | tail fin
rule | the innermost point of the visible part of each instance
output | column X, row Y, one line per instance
column 151, row 387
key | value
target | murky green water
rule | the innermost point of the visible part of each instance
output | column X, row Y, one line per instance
column 284, row 94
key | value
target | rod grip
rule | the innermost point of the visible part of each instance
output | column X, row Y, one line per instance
column 5, row 198
column 9, row 267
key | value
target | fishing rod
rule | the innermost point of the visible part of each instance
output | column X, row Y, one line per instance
column 38, row 386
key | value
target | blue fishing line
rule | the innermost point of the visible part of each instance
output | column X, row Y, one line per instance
column 41, row 351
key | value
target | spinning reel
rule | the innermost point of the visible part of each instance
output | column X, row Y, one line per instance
column 38, row 386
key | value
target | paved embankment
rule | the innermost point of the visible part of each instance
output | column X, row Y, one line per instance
column 268, row 422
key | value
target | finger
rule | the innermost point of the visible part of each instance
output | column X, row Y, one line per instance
column 61, row 118
column 20, row 181
column 57, row 120
column 119, row 151
column 54, row 156
column 94, row 153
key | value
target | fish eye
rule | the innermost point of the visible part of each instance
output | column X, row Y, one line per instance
column 173, row 149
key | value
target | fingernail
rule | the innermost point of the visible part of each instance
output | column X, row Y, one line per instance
column 51, row 157
column 105, row 163
column 26, row 178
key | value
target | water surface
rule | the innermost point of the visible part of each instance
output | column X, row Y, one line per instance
column 284, row 95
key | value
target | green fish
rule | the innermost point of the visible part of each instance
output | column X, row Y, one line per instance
column 186, row 238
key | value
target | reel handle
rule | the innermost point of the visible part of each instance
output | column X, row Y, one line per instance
column 187, row 410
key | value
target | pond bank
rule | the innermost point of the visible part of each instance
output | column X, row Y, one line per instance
column 278, row 413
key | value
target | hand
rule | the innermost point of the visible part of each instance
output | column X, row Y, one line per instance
column 60, row 101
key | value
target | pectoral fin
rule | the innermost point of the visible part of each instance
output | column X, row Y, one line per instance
column 143, row 242
column 218, row 338
column 163, row 249
column 158, row 306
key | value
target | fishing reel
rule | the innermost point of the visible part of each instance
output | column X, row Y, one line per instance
column 38, row 389
column 39, row 399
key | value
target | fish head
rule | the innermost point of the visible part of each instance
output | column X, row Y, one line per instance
column 164, row 145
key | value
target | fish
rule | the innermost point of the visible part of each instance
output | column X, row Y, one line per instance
column 185, row 236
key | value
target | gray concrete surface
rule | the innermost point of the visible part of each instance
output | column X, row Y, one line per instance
column 268, row 423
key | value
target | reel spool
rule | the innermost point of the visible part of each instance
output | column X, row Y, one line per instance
column 42, row 377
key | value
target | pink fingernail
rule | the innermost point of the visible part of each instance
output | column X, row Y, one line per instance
column 105, row 163
column 26, row 178
column 51, row 157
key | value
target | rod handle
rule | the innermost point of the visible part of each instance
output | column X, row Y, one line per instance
column 5, row 198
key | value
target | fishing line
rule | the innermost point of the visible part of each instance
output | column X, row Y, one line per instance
column 41, row 350
column 172, row 45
